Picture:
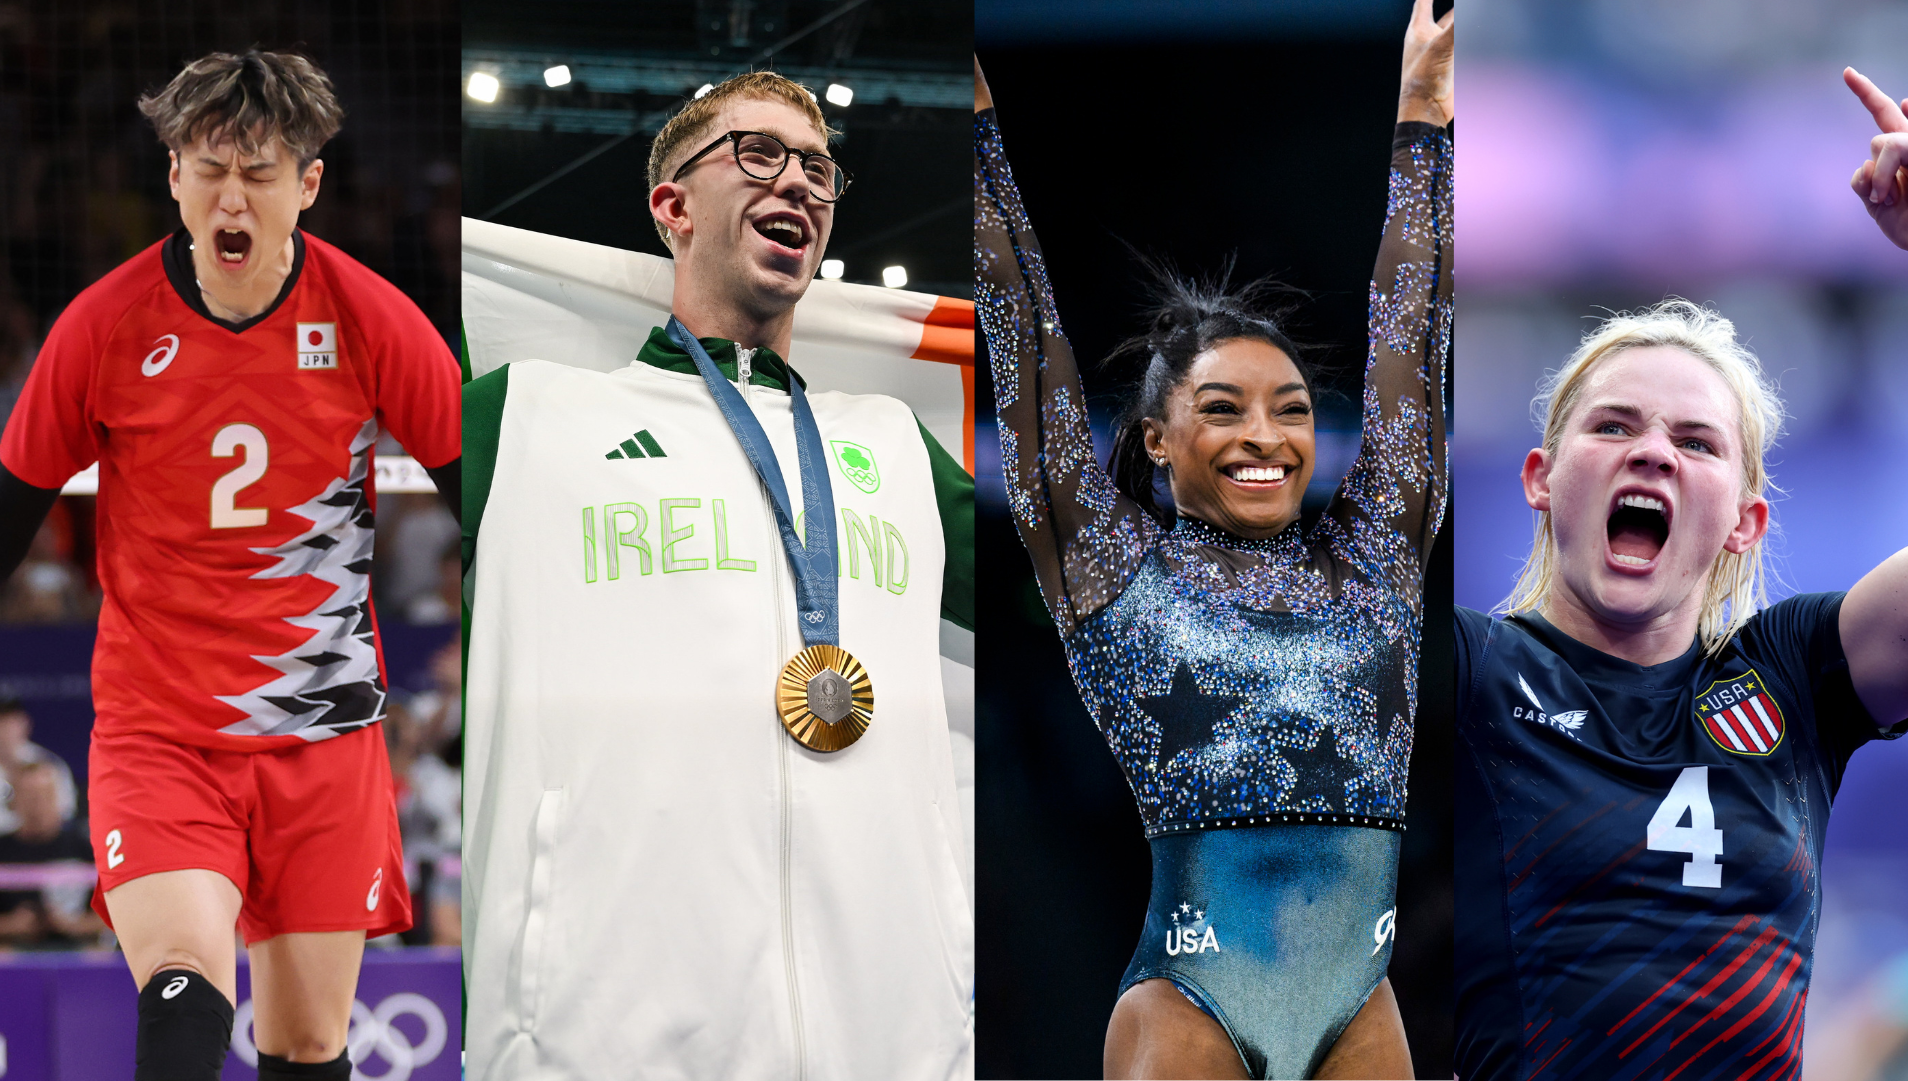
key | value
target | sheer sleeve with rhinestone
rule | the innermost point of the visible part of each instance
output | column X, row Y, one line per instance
column 1391, row 503
column 1086, row 539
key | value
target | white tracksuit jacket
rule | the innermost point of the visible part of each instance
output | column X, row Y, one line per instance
column 659, row 882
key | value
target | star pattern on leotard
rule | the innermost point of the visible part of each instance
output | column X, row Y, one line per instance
column 1186, row 717
column 1322, row 773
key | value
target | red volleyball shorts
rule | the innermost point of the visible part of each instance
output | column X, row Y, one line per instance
column 309, row 834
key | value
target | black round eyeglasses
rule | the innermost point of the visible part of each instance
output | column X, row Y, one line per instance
column 763, row 157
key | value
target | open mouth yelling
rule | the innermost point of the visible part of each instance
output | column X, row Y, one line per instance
column 1638, row 527
column 233, row 245
column 787, row 233
column 1258, row 476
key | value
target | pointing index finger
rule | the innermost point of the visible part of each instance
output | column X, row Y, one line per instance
column 1888, row 115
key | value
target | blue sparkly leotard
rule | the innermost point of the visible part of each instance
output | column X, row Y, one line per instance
column 1258, row 694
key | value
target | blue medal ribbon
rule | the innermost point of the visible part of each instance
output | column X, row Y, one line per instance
column 812, row 556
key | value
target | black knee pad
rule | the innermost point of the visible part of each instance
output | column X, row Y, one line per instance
column 273, row 1068
column 185, row 1028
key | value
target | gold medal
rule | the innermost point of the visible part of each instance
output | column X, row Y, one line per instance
column 825, row 697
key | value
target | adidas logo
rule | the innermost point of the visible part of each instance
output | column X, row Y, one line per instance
column 640, row 445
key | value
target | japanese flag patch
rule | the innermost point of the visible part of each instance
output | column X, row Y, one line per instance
column 317, row 346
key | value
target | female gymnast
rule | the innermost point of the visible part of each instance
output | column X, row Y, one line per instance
column 1255, row 679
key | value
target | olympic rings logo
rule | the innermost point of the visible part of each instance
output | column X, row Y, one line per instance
column 372, row 1032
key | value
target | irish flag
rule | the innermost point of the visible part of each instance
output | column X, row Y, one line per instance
column 530, row 295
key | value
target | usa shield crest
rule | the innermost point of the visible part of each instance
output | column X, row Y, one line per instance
column 1740, row 715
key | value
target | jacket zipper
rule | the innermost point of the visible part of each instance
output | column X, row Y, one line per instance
column 742, row 367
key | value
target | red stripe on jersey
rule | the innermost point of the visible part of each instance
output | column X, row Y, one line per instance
column 1788, row 1052
column 1741, row 923
column 1727, row 1004
column 1553, row 1057
column 1778, row 1035
column 1781, row 984
column 1799, row 859
column 1702, row 992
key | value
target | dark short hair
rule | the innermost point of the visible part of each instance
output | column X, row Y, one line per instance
column 249, row 99
column 11, row 704
column 1188, row 316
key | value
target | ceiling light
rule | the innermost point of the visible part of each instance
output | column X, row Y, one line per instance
column 706, row 87
column 483, row 86
column 557, row 76
column 894, row 277
column 832, row 269
column 840, row 95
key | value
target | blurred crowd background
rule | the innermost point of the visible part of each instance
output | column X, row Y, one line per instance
column 1617, row 152
column 83, row 189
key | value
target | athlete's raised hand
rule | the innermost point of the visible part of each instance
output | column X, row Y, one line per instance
column 1424, row 92
column 982, row 99
column 1882, row 180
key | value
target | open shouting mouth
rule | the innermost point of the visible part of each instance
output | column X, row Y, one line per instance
column 1638, row 527
column 233, row 245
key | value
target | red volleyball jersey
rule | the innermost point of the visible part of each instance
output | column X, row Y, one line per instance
column 235, row 509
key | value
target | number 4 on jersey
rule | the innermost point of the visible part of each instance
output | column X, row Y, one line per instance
column 1701, row 839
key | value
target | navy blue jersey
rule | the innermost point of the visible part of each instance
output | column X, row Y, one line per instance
column 1637, row 847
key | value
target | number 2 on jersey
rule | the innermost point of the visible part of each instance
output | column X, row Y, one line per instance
column 225, row 514
column 1701, row 839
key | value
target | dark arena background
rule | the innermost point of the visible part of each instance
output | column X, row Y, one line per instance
column 83, row 189
column 1195, row 132
column 578, row 89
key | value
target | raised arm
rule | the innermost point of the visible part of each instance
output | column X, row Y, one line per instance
column 1085, row 538
column 1874, row 627
column 1400, row 477
column 1879, row 181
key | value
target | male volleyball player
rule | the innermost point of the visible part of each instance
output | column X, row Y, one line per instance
column 231, row 381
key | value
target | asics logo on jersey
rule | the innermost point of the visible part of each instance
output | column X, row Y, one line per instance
column 371, row 899
column 1385, row 930
column 173, row 987
column 1187, row 936
column 640, row 445
column 1740, row 716
column 167, row 347
column 1567, row 723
